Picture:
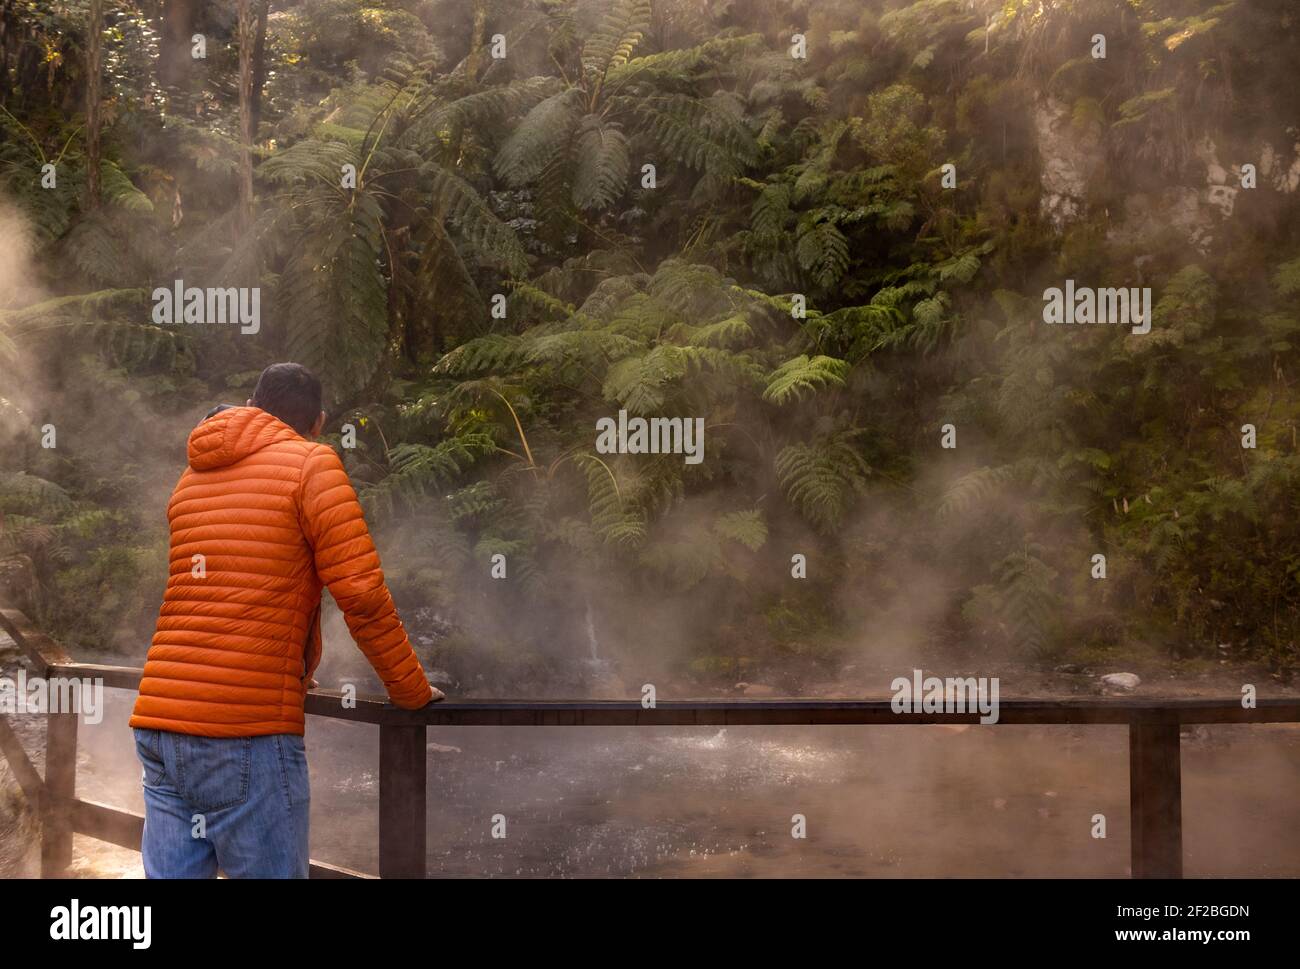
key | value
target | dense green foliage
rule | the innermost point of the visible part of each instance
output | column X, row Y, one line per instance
column 777, row 181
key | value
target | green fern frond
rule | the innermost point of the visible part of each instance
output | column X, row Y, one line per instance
column 415, row 468
column 820, row 477
column 620, row 31
column 804, row 374
column 569, row 346
column 477, row 500
column 974, row 488
column 771, row 213
column 430, row 118
column 706, row 134
column 746, row 527
column 118, row 189
column 27, row 494
column 539, row 137
column 494, row 353
column 641, row 384
column 601, row 177
column 673, row 65
column 822, row 249
column 464, row 208
column 730, row 332
column 333, row 295
column 613, row 517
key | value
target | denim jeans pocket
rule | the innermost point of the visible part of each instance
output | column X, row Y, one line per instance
column 292, row 754
column 148, row 748
column 214, row 771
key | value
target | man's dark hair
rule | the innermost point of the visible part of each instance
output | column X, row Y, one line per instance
column 291, row 392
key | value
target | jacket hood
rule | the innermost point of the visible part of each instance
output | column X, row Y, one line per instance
column 233, row 434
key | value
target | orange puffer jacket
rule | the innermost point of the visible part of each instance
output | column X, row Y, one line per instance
column 273, row 517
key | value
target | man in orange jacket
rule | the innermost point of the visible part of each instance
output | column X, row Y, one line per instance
column 261, row 519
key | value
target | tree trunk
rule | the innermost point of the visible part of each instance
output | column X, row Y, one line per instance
column 174, row 56
column 6, row 16
column 477, row 39
column 259, row 62
column 247, row 30
column 94, row 43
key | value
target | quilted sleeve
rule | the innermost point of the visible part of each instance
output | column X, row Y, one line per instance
column 348, row 565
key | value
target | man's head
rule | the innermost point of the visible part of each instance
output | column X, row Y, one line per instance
column 292, row 393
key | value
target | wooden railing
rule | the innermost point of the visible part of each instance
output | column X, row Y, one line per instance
column 1155, row 777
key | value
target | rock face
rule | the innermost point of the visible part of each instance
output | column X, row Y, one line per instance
column 1221, row 185
column 1193, row 212
column 1068, row 163
column 1282, row 172
column 1070, row 159
column 1120, row 682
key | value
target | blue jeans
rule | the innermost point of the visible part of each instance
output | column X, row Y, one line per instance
column 240, row 804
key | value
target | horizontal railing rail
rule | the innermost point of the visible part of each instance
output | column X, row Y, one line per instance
column 770, row 712
column 1155, row 785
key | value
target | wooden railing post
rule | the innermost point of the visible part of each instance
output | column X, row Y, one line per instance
column 58, row 794
column 1155, row 800
column 403, row 772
